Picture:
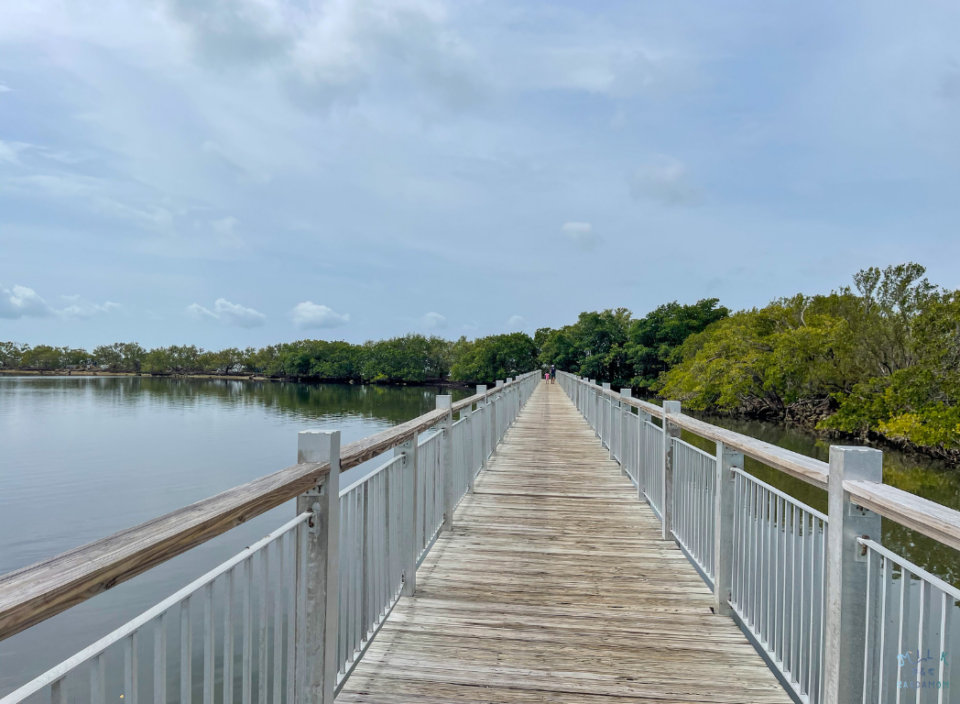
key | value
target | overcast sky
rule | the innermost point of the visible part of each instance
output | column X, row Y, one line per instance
column 245, row 172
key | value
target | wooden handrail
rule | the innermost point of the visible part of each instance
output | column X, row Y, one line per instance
column 922, row 515
column 808, row 469
column 34, row 593
column 37, row 592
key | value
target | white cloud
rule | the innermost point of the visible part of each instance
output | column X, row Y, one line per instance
column 308, row 315
column 433, row 321
column 22, row 302
column 79, row 308
column 517, row 322
column 9, row 152
column 581, row 234
column 232, row 313
column 4, row 88
column 331, row 52
column 225, row 226
column 664, row 180
column 198, row 312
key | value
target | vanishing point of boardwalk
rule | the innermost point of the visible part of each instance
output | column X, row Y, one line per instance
column 556, row 586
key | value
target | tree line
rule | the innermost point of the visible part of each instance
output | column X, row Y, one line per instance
column 408, row 359
column 879, row 358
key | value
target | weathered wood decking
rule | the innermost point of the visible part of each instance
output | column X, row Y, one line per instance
column 555, row 586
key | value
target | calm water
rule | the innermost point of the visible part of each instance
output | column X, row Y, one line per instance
column 81, row 458
column 84, row 457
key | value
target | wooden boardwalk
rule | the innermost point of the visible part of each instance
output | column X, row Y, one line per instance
column 555, row 586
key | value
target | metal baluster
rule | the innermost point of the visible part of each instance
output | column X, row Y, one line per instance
column 130, row 688
column 247, row 666
column 159, row 660
column 278, row 623
column 208, row 644
column 186, row 656
column 262, row 674
column 228, row 637
column 97, row 681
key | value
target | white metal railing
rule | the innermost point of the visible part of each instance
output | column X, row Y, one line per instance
column 838, row 617
column 694, row 496
column 265, row 626
column 235, row 625
column 909, row 631
column 778, row 580
column 653, row 466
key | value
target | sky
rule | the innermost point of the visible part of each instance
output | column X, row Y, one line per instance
column 246, row 172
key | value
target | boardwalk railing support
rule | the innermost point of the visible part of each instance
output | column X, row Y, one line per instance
column 625, row 413
column 318, row 579
column 846, row 602
column 445, row 428
column 670, row 431
column 727, row 460
column 483, row 408
column 408, row 515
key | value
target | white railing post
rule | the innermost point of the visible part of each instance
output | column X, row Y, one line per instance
column 468, row 430
column 624, row 423
column 445, row 428
column 318, row 579
column 642, row 419
column 727, row 459
column 846, row 579
column 670, row 431
column 498, row 411
column 483, row 408
column 606, row 413
column 408, row 513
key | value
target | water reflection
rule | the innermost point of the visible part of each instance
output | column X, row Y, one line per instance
column 84, row 457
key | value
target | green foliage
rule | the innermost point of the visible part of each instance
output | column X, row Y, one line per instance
column 594, row 346
column 411, row 358
column 495, row 357
column 654, row 341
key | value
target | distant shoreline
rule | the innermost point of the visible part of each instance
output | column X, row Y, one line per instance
column 229, row 377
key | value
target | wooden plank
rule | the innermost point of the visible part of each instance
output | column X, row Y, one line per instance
column 555, row 585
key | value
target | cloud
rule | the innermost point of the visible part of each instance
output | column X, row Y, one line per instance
column 309, row 315
column 22, row 302
column 232, row 313
column 516, row 322
column 433, row 321
column 664, row 180
column 581, row 234
column 9, row 152
column 79, row 308
column 330, row 52
column 4, row 88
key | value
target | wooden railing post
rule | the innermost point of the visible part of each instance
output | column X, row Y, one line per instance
column 624, row 424
column 727, row 459
column 318, row 579
column 670, row 431
column 408, row 515
column 445, row 428
column 483, row 408
column 846, row 583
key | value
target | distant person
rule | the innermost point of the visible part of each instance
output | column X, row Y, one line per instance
column 553, row 373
